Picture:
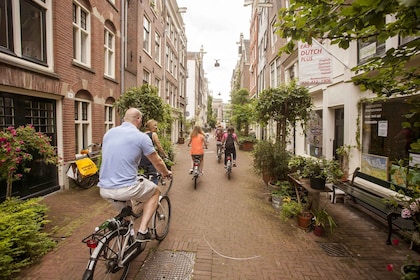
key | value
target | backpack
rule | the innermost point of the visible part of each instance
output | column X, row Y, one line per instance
column 229, row 144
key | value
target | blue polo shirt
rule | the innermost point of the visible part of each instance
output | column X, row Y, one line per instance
column 122, row 149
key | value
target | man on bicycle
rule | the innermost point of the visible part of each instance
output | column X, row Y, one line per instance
column 122, row 149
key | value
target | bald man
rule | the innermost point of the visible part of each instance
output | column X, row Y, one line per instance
column 122, row 149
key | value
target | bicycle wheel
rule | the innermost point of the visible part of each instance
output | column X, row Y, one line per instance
column 195, row 181
column 103, row 263
column 86, row 182
column 162, row 218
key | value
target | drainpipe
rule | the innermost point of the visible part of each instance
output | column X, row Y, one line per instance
column 122, row 57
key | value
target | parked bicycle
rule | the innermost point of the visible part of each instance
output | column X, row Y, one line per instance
column 83, row 171
column 229, row 165
column 111, row 250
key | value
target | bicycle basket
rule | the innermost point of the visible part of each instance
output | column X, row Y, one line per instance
column 86, row 167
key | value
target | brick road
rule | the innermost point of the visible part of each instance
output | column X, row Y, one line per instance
column 231, row 228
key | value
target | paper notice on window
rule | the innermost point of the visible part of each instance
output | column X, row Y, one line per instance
column 382, row 128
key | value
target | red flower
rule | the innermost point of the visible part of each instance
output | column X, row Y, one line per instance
column 395, row 241
column 389, row 267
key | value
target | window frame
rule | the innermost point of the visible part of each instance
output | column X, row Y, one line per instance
column 12, row 45
column 82, row 127
column 81, row 44
column 146, row 34
column 109, row 53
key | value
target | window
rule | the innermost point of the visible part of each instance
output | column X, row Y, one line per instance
column 41, row 115
column 273, row 75
column 383, row 134
column 81, row 34
column 109, row 51
column 157, row 84
column 109, row 117
column 82, row 120
column 273, row 35
column 369, row 48
column 158, row 51
column 146, row 35
column 146, row 77
column 23, row 29
column 7, row 112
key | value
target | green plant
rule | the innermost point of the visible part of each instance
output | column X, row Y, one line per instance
column 271, row 158
column 322, row 218
column 242, row 139
column 291, row 208
column 322, row 168
column 19, row 146
column 285, row 189
column 22, row 241
column 286, row 105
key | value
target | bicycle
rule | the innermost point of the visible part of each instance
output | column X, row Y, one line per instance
column 83, row 171
column 112, row 244
column 219, row 151
column 196, row 169
column 229, row 165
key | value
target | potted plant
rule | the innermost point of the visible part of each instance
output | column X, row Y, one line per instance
column 294, row 208
column 343, row 154
column 271, row 161
column 291, row 208
column 320, row 171
column 283, row 192
column 322, row 219
column 246, row 143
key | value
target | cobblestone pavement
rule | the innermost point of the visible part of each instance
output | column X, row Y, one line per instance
column 232, row 229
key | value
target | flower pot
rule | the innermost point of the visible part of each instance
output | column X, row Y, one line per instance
column 276, row 201
column 247, row 146
column 317, row 183
column 304, row 220
column 318, row 230
column 411, row 271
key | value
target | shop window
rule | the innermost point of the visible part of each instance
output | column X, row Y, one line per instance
column 388, row 130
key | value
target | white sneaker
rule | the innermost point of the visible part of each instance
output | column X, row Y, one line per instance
column 191, row 171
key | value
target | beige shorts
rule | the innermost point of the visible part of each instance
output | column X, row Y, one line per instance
column 140, row 192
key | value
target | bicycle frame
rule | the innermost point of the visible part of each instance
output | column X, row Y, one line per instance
column 112, row 243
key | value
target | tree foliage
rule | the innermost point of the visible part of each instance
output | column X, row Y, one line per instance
column 211, row 118
column 242, row 110
column 147, row 100
column 343, row 22
column 285, row 105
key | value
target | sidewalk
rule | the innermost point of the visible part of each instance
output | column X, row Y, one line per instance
column 229, row 230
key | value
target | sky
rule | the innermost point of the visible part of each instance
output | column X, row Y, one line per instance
column 216, row 25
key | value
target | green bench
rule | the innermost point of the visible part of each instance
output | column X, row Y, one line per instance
column 372, row 193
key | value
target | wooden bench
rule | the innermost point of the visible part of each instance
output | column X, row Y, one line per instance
column 372, row 193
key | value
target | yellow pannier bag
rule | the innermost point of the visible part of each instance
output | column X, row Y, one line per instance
column 86, row 167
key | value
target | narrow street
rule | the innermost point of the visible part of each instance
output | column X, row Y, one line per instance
column 226, row 229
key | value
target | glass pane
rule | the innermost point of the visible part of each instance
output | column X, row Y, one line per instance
column 31, row 23
column 74, row 13
column 6, row 34
column 84, row 111
column 83, row 18
column 76, row 110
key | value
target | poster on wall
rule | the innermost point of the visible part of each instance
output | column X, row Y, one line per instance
column 374, row 165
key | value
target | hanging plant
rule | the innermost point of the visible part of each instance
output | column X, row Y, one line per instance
column 18, row 147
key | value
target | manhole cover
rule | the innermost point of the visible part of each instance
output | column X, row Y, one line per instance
column 168, row 265
column 334, row 249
